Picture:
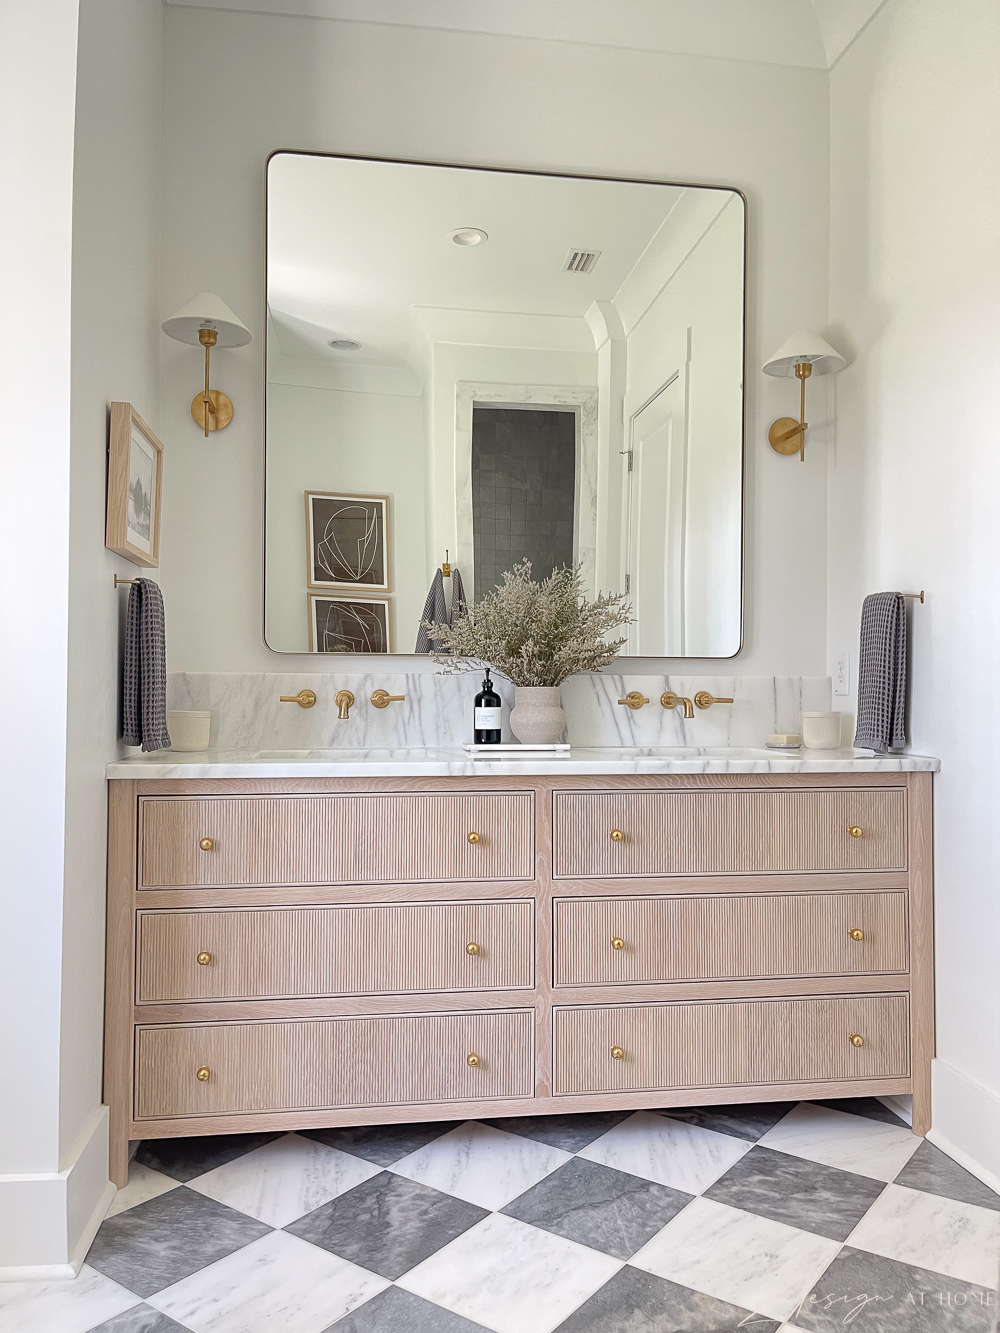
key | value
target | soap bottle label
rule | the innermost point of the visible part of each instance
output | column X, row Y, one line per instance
column 488, row 719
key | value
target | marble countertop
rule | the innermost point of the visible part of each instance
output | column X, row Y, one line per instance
column 445, row 761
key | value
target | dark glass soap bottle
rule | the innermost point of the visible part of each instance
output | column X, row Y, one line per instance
column 487, row 718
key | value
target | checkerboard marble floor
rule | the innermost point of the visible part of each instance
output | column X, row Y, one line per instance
column 769, row 1218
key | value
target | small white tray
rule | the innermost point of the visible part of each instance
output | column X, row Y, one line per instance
column 518, row 748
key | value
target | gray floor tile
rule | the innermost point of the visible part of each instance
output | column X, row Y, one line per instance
column 637, row 1302
column 868, row 1294
column 870, row 1107
column 803, row 1194
column 605, row 1209
column 932, row 1170
column 398, row 1311
column 749, row 1120
column 140, row 1319
column 387, row 1224
column 167, row 1238
column 183, row 1159
column 381, row 1144
column 569, row 1132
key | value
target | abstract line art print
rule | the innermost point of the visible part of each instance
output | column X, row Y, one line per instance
column 350, row 624
column 348, row 541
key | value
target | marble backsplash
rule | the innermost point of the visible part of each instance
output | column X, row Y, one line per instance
column 437, row 709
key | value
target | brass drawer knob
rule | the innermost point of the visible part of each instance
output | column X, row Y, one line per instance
column 206, row 844
column 856, row 1039
column 617, row 1053
column 472, row 947
column 472, row 1060
column 474, row 838
column 617, row 942
column 204, row 959
column 854, row 831
column 203, row 1074
column 617, row 835
column 856, row 934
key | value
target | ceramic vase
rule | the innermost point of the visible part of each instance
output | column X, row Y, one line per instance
column 537, row 717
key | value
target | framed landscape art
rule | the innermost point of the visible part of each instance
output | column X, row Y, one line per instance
column 350, row 624
column 135, row 478
column 347, row 541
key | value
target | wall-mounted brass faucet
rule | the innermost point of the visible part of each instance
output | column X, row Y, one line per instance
column 343, row 699
column 705, row 700
column 634, row 700
column 670, row 700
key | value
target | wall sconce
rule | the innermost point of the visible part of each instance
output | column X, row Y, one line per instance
column 208, row 322
column 804, row 354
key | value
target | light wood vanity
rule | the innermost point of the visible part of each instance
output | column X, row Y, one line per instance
column 292, row 953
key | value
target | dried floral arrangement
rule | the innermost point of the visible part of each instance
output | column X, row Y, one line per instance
column 534, row 633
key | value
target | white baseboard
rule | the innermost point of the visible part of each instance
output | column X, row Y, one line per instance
column 966, row 1122
column 901, row 1106
column 48, row 1219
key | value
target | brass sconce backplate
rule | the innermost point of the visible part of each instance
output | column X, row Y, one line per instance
column 785, row 435
column 221, row 413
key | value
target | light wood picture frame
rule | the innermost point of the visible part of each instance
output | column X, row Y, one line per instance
column 135, row 482
column 347, row 542
column 350, row 624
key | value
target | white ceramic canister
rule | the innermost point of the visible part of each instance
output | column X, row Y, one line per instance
column 189, row 731
column 821, row 731
column 537, row 717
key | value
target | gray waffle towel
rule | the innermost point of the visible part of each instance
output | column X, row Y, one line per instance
column 144, row 701
column 436, row 609
column 882, row 673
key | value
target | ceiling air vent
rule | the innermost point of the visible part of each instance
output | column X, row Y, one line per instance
column 581, row 261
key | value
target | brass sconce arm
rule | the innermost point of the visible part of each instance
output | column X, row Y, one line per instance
column 208, row 338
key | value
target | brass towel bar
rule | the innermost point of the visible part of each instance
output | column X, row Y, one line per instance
column 919, row 594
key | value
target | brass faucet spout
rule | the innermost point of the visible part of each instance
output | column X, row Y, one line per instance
column 343, row 699
column 670, row 700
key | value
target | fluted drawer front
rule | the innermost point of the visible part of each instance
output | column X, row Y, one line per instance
column 729, row 1043
column 615, row 941
column 333, row 839
column 313, row 1064
column 727, row 832
column 277, row 952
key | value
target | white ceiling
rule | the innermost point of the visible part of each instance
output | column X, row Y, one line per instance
column 809, row 33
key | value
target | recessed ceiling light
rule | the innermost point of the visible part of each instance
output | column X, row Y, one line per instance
column 468, row 236
column 344, row 345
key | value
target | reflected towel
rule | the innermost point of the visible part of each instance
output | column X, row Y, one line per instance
column 458, row 602
column 436, row 610
column 144, row 693
column 882, row 673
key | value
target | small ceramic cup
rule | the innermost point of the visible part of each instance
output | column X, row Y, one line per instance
column 189, row 731
column 821, row 731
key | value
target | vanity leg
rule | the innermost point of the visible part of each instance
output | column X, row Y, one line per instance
column 921, row 843
column 122, row 816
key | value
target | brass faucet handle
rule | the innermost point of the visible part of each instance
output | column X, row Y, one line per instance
column 304, row 698
column 634, row 700
column 382, row 699
column 343, row 699
column 705, row 700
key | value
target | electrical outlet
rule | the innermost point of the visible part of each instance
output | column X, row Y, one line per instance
column 842, row 673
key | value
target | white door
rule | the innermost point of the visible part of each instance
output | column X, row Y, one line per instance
column 657, row 481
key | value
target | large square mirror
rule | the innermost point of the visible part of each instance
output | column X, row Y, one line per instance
column 467, row 368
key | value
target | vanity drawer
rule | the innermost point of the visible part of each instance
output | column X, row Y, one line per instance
column 730, row 1043
column 405, row 837
column 298, row 952
column 317, row 1064
column 727, row 832
column 617, row 941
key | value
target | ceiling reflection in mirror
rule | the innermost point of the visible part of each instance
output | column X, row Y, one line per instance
column 469, row 368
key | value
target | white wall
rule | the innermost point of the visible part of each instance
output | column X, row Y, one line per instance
column 362, row 443
column 914, row 481
column 325, row 85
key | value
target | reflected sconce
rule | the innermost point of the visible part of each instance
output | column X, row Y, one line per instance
column 802, row 355
column 208, row 322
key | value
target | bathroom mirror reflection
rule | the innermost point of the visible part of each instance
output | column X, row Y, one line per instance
column 466, row 368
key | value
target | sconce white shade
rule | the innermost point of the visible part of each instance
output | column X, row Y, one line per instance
column 804, row 347
column 207, row 311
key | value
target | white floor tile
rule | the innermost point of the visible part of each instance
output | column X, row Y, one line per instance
column 278, row 1283
column 738, row 1257
column 62, row 1307
column 143, row 1183
column 670, row 1152
column 957, row 1239
column 481, row 1164
column 511, row 1277
column 850, row 1142
column 285, row 1179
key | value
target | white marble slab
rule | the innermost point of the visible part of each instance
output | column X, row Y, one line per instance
column 685, row 1157
column 441, row 761
column 143, row 1183
column 849, row 1142
column 62, row 1307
